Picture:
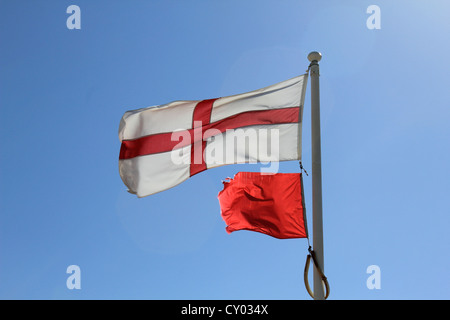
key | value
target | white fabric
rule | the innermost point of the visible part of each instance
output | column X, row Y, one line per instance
column 148, row 174
column 281, row 95
column 173, row 116
column 154, row 173
column 268, row 143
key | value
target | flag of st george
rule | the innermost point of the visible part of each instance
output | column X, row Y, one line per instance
column 162, row 146
column 272, row 204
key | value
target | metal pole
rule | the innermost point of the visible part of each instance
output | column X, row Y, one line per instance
column 314, row 58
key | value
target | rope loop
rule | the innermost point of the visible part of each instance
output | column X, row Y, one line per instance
column 312, row 256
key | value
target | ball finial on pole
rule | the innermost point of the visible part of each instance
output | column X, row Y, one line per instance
column 314, row 56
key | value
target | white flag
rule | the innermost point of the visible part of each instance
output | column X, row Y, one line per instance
column 164, row 145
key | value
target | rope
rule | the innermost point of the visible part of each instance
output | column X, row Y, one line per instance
column 312, row 256
column 301, row 168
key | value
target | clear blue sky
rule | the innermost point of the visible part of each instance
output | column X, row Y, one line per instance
column 385, row 147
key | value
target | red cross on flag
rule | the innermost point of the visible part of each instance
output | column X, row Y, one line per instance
column 164, row 145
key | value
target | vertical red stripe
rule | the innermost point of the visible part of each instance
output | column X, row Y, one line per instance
column 202, row 112
column 200, row 119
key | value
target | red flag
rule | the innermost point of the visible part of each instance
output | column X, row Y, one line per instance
column 272, row 204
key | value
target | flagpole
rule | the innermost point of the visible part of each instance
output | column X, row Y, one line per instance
column 314, row 57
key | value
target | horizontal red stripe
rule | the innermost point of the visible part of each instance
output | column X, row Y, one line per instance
column 162, row 142
column 259, row 117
